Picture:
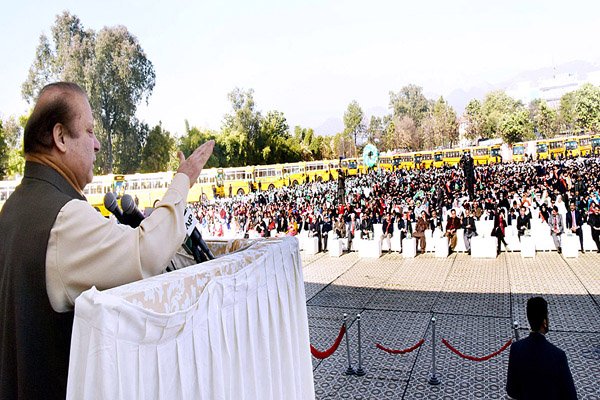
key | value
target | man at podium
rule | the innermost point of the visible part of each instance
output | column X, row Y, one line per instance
column 55, row 245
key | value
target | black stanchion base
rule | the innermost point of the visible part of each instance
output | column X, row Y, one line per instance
column 350, row 371
column 433, row 380
column 360, row 372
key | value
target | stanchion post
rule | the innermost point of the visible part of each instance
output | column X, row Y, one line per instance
column 350, row 370
column 360, row 371
column 433, row 378
column 516, row 328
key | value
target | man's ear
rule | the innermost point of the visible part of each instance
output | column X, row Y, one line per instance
column 58, row 133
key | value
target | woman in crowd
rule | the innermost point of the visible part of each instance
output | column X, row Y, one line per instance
column 499, row 229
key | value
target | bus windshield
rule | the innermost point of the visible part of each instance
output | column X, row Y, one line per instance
column 542, row 148
column 571, row 145
column 518, row 150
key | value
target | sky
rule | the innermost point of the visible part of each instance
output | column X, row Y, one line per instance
column 310, row 59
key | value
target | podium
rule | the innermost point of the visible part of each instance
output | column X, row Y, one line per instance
column 195, row 333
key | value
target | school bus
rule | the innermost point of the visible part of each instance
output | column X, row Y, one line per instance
column 585, row 145
column 518, row 152
column 349, row 166
column 556, row 148
column 268, row 176
column 452, row 157
column 424, row 159
column 595, row 144
column 385, row 162
column 438, row 159
column 541, row 149
column 100, row 185
column 481, row 155
column 317, row 170
column 495, row 154
column 406, row 161
column 294, row 173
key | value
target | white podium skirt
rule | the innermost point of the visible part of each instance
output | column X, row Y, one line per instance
column 232, row 328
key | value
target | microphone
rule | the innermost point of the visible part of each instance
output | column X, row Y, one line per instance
column 110, row 202
column 199, row 248
column 132, row 214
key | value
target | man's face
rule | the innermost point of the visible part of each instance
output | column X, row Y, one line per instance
column 522, row 212
column 572, row 207
column 81, row 143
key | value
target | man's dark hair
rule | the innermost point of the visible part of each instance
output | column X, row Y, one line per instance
column 54, row 106
column 537, row 312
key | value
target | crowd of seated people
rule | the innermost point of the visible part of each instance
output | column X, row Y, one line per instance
column 564, row 194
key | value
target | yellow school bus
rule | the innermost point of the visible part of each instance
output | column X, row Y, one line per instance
column 268, row 176
column 541, row 149
column 237, row 181
column 424, row 159
column 100, row 185
column 407, row 161
column 349, row 166
column 438, row 159
column 452, row 157
column 585, row 145
column 317, row 170
column 595, row 139
column 294, row 173
column 556, row 148
column 495, row 154
column 385, row 162
column 518, row 152
column 481, row 155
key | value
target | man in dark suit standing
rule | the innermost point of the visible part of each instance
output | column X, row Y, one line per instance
column 537, row 369
column 574, row 222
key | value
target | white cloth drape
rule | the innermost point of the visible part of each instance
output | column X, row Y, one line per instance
column 232, row 328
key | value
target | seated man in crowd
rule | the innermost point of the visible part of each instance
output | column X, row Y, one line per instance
column 470, row 229
column 366, row 227
column 419, row 233
column 452, row 224
column 523, row 222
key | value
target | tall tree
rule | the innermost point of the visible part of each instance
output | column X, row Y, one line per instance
column 544, row 119
column 587, row 108
column 497, row 106
column 241, row 128
column 445, row 124
column 113, row 69
column 516, row 126
column 353, row 123
column 375, row 130
column 475, row 119
column 158, row 153
column 407, row 135
column 410, row 102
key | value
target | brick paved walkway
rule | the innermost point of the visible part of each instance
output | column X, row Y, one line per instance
column 474, row 301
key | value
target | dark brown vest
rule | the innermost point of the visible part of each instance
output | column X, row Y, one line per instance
column 34, row 339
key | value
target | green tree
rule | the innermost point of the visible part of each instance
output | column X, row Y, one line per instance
column 158, row 153
column 474, row 117
column 587, row 108
column 13, row 131
column 353, row 123
column 445, row 124
column 544, row 118
column 4, row 153
column 240, row 129
column 516, row 127
column 566, row 112
column 113, row 69
column 496, row 107
column 409, row 102
column 194, row 137
column 375, row 130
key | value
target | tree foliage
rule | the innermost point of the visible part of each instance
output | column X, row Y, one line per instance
column 159, row 151
column 409, row 102
column 353, row 123
column 113, row 69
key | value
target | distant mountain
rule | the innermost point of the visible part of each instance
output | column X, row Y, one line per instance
column 330, row 127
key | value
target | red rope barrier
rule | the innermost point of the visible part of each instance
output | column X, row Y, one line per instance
column 494, row 354
column 324, row 354
column 404, row 351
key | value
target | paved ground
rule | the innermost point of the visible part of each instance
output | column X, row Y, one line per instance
column 474, row 302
